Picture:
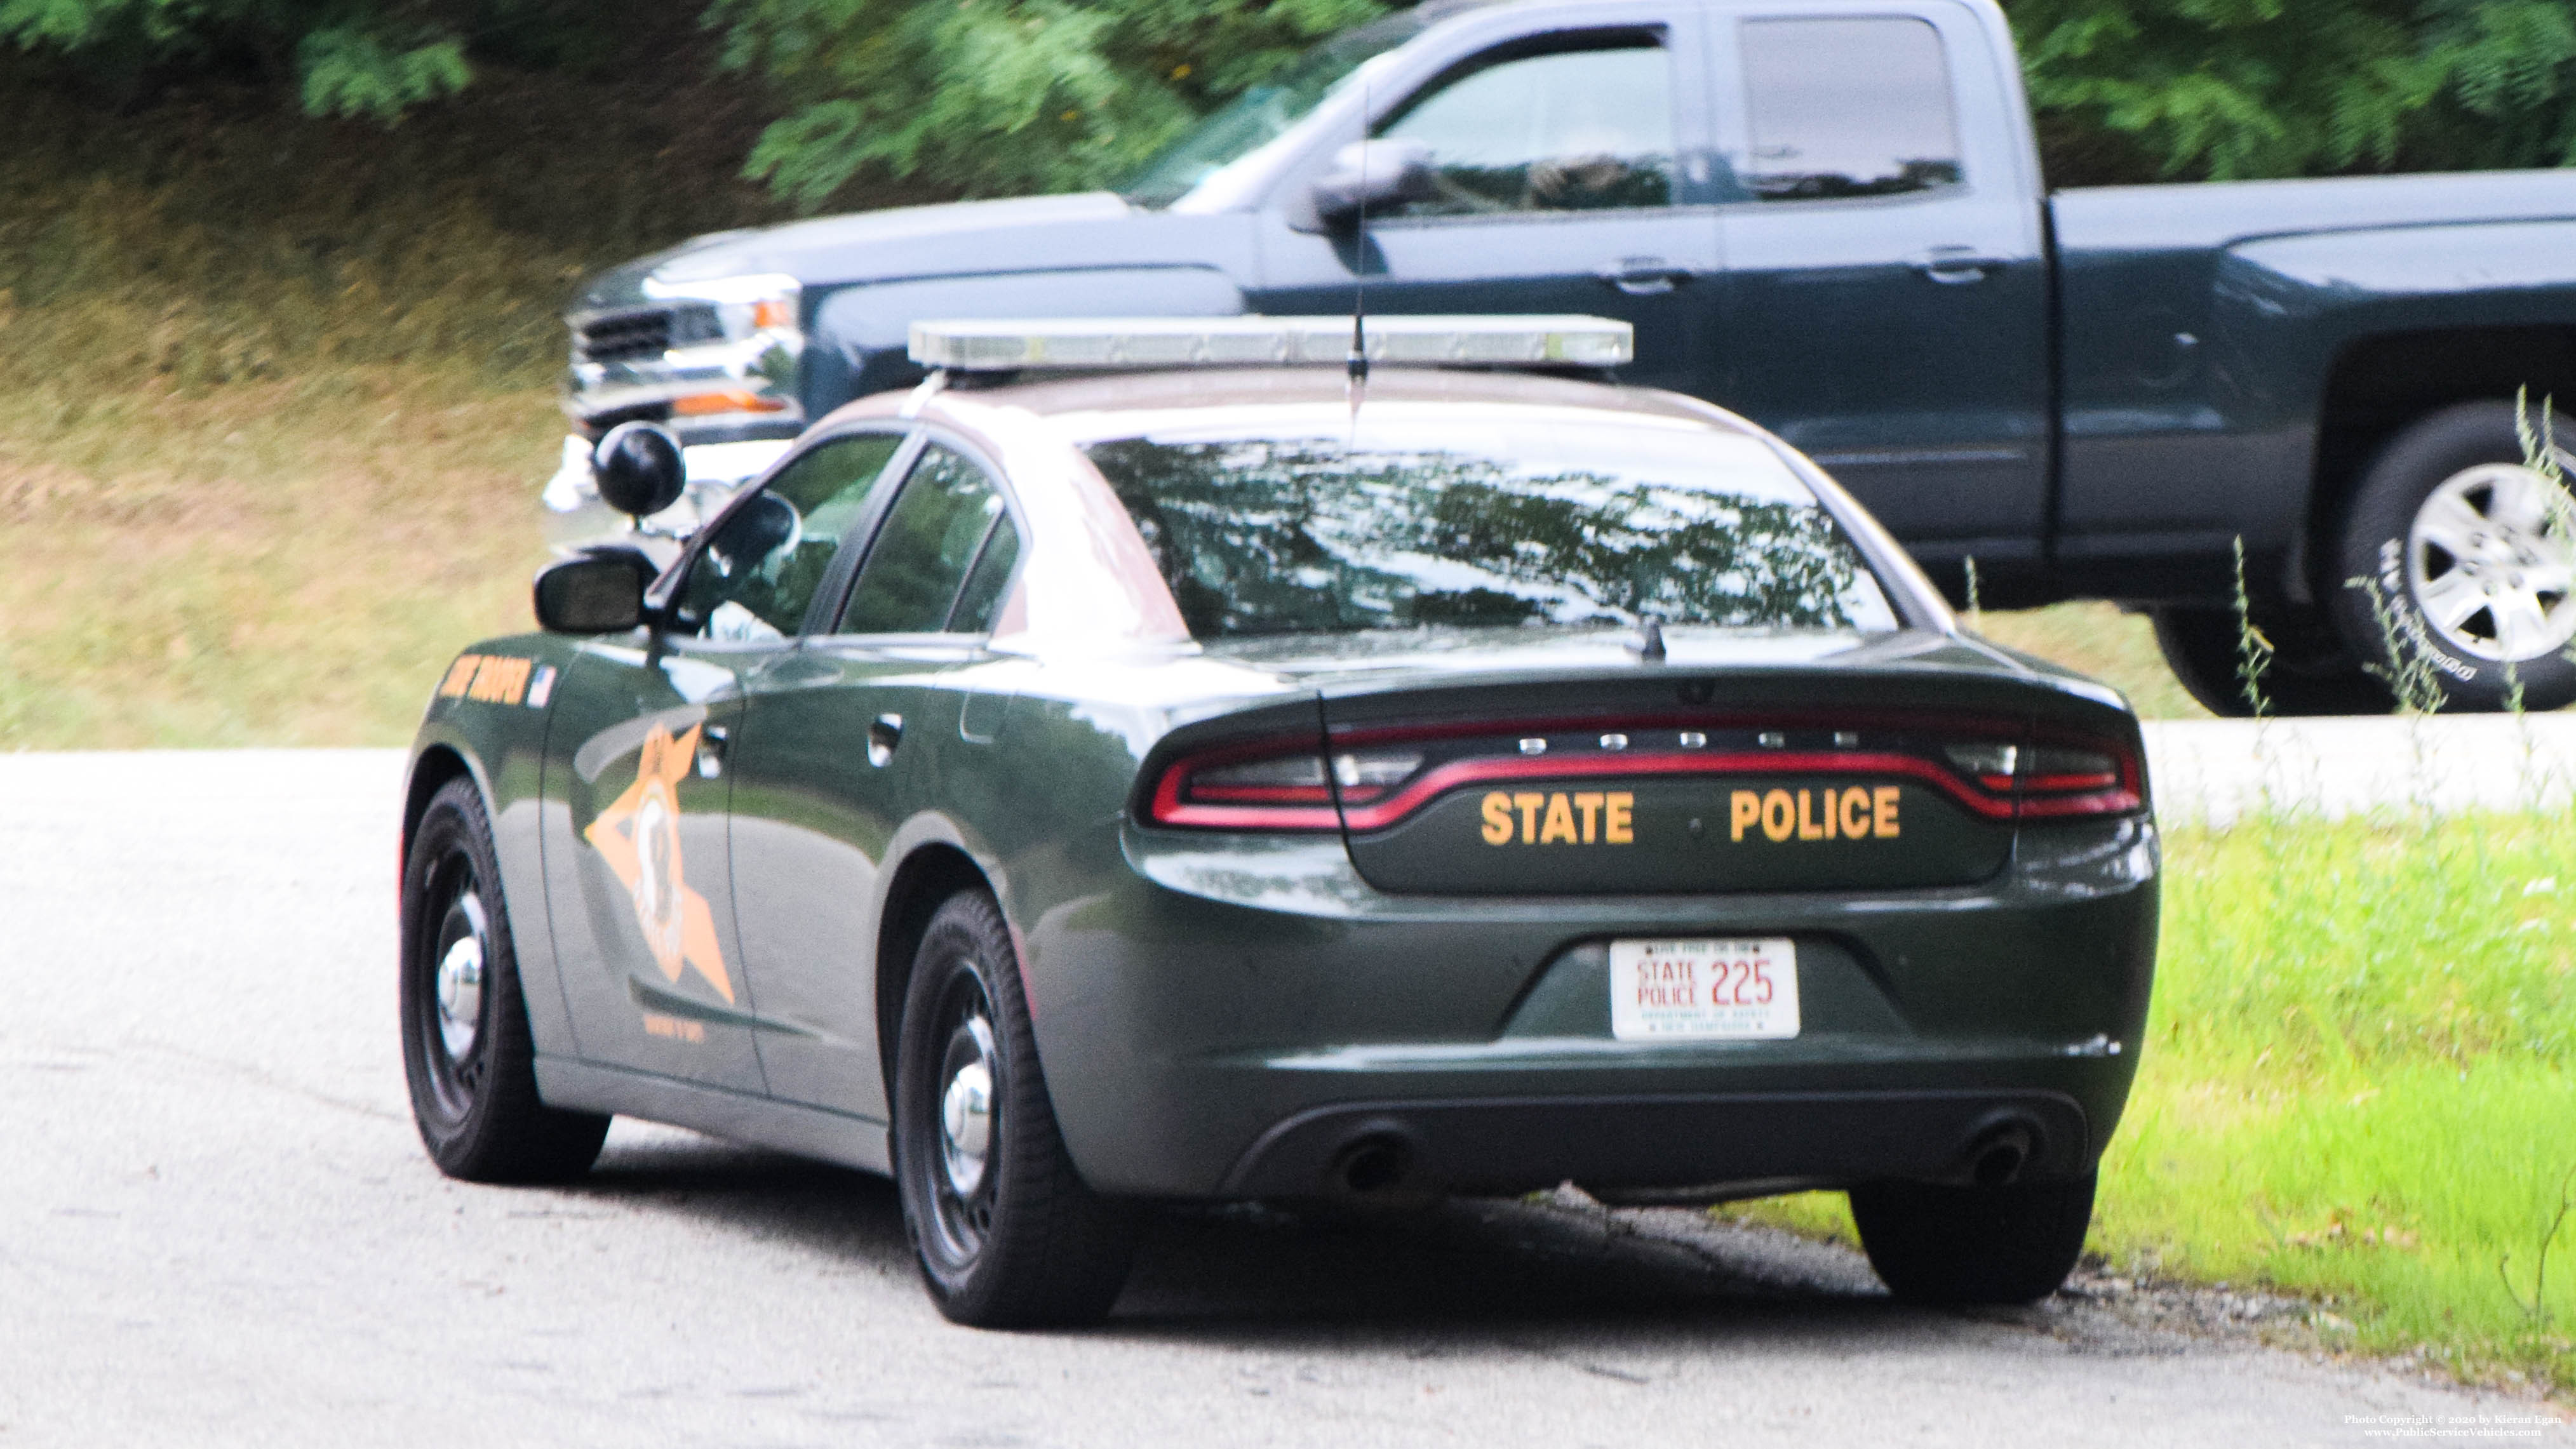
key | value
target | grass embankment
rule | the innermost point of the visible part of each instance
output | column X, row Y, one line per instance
column 276, row 394
column 2359, row 1085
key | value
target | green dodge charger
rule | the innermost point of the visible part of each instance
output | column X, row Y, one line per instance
column 1140, row 766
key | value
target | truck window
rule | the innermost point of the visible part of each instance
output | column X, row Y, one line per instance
column 1847, row 108
column 1582, row 126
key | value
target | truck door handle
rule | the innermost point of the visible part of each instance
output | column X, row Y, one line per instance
column 711, row 751
column 883, row 736
column 1957, row 266
column 1644, row 276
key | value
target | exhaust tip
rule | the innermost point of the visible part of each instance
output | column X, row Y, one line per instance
column 2000, row 1154
column 1372, row 1163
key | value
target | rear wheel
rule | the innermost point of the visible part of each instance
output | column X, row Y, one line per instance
column 2469, row 559
column 467, row 1053
column 1006, row 1232
column 1933, row 1243
column 2310, row 671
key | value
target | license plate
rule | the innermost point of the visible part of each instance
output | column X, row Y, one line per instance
column 1704, row 990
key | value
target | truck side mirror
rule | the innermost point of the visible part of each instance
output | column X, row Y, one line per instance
column 1367, row 175
column 640, row 469
column 597, row 591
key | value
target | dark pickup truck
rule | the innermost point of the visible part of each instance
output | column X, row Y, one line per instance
column 1829, row 217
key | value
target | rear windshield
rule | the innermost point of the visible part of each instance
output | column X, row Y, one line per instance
column 1513, row 520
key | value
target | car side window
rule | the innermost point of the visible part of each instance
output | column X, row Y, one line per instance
column 1847, row 108
column 916, row 579
column 1583, row 126
column 758, row 571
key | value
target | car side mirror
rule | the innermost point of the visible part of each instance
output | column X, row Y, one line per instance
column 1368, row 175
column 596, row 591
column 640, row 469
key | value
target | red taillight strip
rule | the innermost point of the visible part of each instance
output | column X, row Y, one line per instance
column 1456, row 773
column 1288, row 807
column 1168, row 809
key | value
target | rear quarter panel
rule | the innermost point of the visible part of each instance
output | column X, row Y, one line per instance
column 2202, row 324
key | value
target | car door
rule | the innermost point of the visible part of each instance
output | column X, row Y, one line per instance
column 846, row 736
column 1887, row 287
column 639, row 859
column 1573, row 176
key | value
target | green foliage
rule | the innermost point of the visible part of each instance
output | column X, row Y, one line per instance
column 350, row 70
column 2245, row 88
column 996, row 97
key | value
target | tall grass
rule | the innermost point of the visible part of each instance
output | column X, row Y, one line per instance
column 2359, row 1081
column 275, row 394
column 2358, row 1085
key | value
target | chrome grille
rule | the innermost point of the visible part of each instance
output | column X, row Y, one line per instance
column 642, row 333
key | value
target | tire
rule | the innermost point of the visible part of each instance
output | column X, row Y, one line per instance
column 467, row 1053
column 1937, row 1244
column 2473, row 560
column 2311, row 673
column 1006, row 1232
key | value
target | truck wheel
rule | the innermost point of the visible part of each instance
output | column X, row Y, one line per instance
column 2310, row 672
column 1933, row 1243
column 1006, row 1232
column 2473, row 559
column 467, row 1053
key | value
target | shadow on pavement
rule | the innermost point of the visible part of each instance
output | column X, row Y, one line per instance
column 1562, row 1267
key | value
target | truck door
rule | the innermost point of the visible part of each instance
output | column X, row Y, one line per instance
column 1887, row 286
column 1572, row 168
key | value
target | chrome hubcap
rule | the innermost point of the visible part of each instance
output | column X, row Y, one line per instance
column 460, row 996
column 966, row 1108
column 2491, row 562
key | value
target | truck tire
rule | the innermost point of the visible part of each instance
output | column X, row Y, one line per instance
column 2459, row 561
column 2311, row 673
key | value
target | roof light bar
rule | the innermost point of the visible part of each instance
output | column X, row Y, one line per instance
column 1173, row 342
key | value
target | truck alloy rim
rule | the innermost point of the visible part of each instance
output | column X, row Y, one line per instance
column 2492, row 564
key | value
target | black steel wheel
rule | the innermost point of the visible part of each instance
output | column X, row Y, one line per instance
column 2467, row 558
column 2310, row 671
column 1936, row 1243
column 467, row 1053
column 1006, row 1232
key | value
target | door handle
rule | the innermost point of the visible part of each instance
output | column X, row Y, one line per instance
column 1957, row 266
column 711, row 751
column 1644, row 276
column 883, row 735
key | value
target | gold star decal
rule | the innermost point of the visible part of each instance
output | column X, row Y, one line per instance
column 639, row 836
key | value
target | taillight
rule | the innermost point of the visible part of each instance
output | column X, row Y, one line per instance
column 2051, row 780
column 1273, row 785
column 2059, row 780
column 1371, row 784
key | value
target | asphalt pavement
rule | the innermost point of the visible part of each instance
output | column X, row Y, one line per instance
column 217, row 1227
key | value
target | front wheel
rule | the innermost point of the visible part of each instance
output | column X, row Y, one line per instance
column 467, row 1054
column 1006, row 1232
column 1939, row 1244
column 2458, row 564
